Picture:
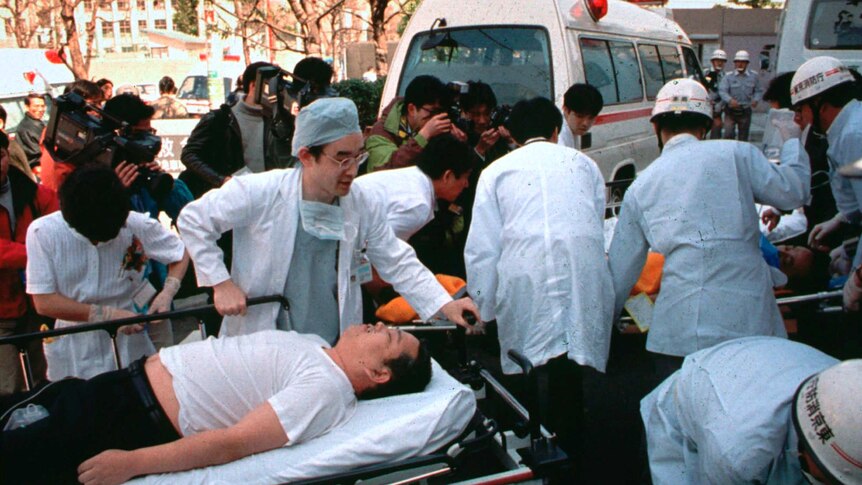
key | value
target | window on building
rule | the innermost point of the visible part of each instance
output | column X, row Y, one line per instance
column 161, row 24
column 125, row 27
column 88, row 4
column 142, row 24
column 141, row 4
column 107, row 28
column 612, row 68
column 123, row 5
column 105, row 4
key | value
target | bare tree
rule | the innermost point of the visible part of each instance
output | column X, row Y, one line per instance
column 77, row 59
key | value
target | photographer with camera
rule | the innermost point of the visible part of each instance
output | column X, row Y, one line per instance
column 408, row 123
column 233, row 139
column 483, row 120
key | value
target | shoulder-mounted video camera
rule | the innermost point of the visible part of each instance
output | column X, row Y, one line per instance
column 276, row 90
column 80, row 133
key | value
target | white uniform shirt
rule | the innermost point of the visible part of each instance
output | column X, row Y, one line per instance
column 407, row 195
column 219, row 381
column 725, row 416
column 62, row 261
column 567, row 138
column 845, row 147
column 263, row 212
column 790, row 225
column 535, row 258
column 695, row 206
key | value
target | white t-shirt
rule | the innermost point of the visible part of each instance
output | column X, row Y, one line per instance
column 219, row 381
column 406, row 193
column 60, row 260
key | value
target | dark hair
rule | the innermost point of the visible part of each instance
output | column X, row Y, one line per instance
column 315, row 70
column 166, row 85
column 817, row 278
column 104, row 82
column 445, row 152
column 3, row 114
column 583, row 99
column 94, row 202
column 250, row 73
column 129, row 108
column 840, row 95
column 33, row 96
column 479, row 94
column 424, row 90
column 86, row 89
column 682, row 122
column 537, row 117
column 4, row 140
column 408, row 375
column 779, row 90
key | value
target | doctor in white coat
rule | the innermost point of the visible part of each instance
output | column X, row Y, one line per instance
column 695, row 205
column 305, row 234
column 535, row 258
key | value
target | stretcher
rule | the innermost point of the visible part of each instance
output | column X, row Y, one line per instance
column 398, row 439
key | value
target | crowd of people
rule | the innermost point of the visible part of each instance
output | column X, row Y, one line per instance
column 340, row 221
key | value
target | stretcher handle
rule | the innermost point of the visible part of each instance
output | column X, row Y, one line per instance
column 534, row 421
column 823, row 295
column 111, row 326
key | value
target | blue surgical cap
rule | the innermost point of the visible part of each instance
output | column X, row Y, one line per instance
column 324, row 121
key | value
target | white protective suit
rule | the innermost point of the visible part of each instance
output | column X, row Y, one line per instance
column 725, row 417
column 695, row 205
column 845, row 147
column 263, row 212
column 535, row 257
column 407, row 195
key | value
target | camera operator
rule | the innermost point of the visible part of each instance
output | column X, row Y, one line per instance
column 483, row 122
column 408, row 123
column 233, row 139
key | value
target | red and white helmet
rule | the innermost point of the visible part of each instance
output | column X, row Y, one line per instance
column 827, row 414
column 682, row 96
column 817, row 75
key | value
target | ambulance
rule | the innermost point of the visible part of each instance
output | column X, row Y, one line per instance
column 528, row 48
column 811, row 28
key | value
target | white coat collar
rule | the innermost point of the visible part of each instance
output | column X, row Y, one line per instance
column 681, row 139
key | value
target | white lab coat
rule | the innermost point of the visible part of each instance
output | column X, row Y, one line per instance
column 695, row 205
column 725, row 417
column 535, row 257
column 263, row 212
column 407, row 195
column 845, row 147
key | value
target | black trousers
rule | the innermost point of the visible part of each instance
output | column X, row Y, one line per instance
column 115, row 410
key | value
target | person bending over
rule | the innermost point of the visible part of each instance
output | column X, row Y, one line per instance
column 208, row 403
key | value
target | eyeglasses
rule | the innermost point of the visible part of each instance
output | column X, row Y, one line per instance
column 433, row 111
column 358, row 159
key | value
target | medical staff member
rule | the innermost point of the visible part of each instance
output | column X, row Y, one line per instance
column 535, row 259
column 695, row 205
column 740, row 91
column 824, row 93
column 304, row 234
column 757, row 410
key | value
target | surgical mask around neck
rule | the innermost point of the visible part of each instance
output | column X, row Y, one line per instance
column 323, row 221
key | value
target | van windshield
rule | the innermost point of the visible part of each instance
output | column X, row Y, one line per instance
column 835, row 24
column 194, row 87
column 515, row 61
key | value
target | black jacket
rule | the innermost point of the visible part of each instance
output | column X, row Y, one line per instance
column 29, row 133
column 214, row 150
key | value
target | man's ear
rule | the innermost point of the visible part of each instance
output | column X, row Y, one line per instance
column 448, row 176
column 378, row 376
column 305, row 157
column 411, row 109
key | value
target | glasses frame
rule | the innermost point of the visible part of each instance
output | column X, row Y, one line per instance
column 359, row 160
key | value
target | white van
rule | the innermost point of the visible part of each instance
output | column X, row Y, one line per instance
column 811, row 28
column 28, row 71
column 528, row 48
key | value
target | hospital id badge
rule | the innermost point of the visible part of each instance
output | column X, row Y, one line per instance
column 361, row 268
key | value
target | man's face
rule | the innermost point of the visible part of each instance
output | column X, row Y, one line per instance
column 740, row 65
column 326, row 175
column 480, row 116
column 4, row 164
column 417, row 116
column 144, row 126
column 36, row 108
column 718, row 64
column 108, row 91
column 795, row 261
column 374, row 345
column 579, row 123
column 805, row 115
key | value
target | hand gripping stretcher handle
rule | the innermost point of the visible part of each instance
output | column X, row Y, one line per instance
column 111, row 327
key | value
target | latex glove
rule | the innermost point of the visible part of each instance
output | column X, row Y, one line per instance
column 822, row 231
column 102, row 313
column 162, row 302
column 229, row 299
column 454, row 312
column 853, row 291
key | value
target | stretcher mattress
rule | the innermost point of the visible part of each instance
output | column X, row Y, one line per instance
column 381, row 431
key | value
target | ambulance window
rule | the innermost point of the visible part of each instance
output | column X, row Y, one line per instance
column 627, row 72
column 692, row 66
column 514, row 61
column 651, row 62
column 835, row 24
column 670, row 63
column 599, row 69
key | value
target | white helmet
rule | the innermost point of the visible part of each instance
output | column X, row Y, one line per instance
column 682, row 96
column 741, row 56
column 718, row 54
column 827, row 415
column 817, row 75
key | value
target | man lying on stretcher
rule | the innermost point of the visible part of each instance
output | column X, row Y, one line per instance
column 207, row 403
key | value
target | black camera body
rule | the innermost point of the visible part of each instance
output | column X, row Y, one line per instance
column 276, row 89
column 77, row 137
column 500, row 116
